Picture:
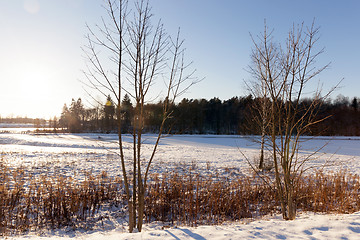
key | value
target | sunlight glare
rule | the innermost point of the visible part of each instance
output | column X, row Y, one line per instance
column 34, row 88
column 32, row 6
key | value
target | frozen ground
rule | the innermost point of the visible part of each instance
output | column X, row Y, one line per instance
column 75, row 154
column 306, row 226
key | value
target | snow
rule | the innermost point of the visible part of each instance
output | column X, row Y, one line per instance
column 75, row 154
column 306, row 226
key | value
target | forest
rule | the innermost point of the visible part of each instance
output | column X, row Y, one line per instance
column 236, row 115
column 194, row 116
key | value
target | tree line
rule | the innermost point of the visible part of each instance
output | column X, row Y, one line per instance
column 21, row 121
column 201, row 116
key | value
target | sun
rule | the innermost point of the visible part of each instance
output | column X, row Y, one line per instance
column 34, row 89
column 34, row 79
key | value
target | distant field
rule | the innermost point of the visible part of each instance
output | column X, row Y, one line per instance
column 69, row 153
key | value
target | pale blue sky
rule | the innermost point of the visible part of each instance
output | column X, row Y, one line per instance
column 41, row 59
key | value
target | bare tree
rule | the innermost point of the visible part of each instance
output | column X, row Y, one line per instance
column 281, row 75
column 141, row 54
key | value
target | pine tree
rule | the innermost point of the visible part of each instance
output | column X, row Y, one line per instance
column 109, row 111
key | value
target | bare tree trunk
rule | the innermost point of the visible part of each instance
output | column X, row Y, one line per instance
column 141, row 207
column 263, row 134
column 134, row 185
column 278, row 182
column 131, row 216
column 291, row 208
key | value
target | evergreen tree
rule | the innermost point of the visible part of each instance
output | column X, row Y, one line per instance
column 64, row 118
column 126, row 114
column 76, row 117
column 109, row 111
column 355, row 104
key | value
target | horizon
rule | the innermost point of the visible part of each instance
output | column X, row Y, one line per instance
column 339, row 97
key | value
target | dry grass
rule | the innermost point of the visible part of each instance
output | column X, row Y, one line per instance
column 33, row 202
column 29, row 202
column 193, row 199
column 330, row 193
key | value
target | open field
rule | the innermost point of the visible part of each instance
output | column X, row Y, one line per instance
column 67, row 153
column 77, row 154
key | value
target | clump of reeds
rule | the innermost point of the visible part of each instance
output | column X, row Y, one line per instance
column 29, row 202
column 193, row 199
column 334, row 192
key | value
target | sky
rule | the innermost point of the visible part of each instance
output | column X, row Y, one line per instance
column 41, row 60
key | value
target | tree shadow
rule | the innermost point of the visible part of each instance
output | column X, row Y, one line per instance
column 193, row 235
column 171, row 234
column 355, row 229
column 324, row 229
column 279, row 236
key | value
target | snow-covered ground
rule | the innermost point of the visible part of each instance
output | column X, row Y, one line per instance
column 306, row 226
column 75, row 154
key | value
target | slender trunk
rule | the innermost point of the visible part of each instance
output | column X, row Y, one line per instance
column 140, row 203
column 131, row 218
column 141, row 208
column 279, row 187
column 126, row 182
column 141, row 191
column 291, row 209
column 261, row 163
column 263, row 133
column 134, row 172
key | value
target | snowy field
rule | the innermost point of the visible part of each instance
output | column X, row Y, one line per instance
column 75, row 154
